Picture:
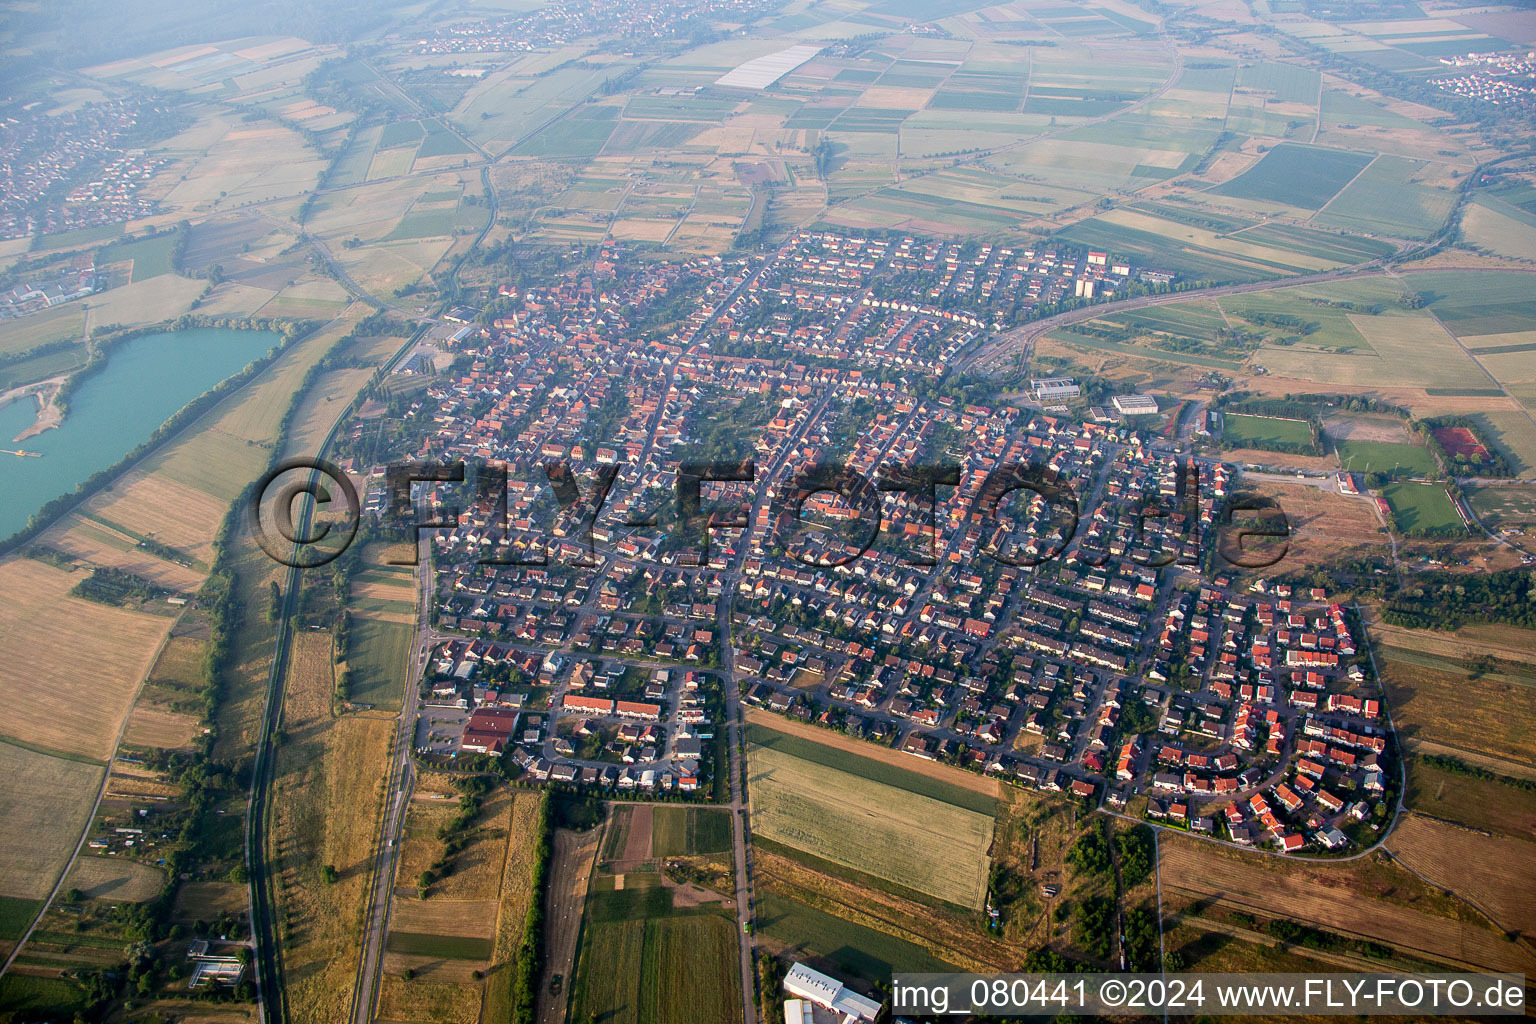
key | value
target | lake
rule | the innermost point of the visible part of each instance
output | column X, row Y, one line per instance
column 114, row 410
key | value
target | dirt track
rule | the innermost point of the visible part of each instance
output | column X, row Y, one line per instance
column 569, row 871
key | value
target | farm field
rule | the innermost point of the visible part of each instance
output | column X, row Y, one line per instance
column 871, row 761
column 642, row 961
column 1485, row 804
column 848, row 946
column 382, row 610
column 71, row 705
column 1302, row 176
column 1259, row 431
column 1488, row 870
column 52, row 325
column 43, row 822
column 913, row 840
column 1387, row 199
column 1367, row 899
column 1434, row 701
column 1420, row 507
column 324, row 810
column 689, row 831
column 1502, row 506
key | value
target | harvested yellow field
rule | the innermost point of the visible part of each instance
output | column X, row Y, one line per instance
column 45, row 803
column 97, row 544
column 150, row 726
column 474, row 919
column 1492, row 871
column 326, row 812
column 420, row 1001
column 1343, row 899
column 115, row 878
column 74, row 701
column 517, row 875
column 164, row 510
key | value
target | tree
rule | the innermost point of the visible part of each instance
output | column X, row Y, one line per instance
column 330, row 874
column 274, row 602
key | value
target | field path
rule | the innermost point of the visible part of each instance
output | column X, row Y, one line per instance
column 570, row 870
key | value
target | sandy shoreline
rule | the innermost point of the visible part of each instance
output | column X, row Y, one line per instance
column 43, row 393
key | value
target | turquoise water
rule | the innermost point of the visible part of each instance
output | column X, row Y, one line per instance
column 114, row 410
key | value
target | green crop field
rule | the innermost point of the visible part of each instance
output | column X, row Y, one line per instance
column 377, row 656
column 868, row 768
column 690, row 831
column 1304, row 176
column 1475, row 303
column 1385, row 200
column 27, row 994
column 441, row 142
column 656, row 966
column 1259, row 431
column 583, row 134
column 15, row 915
column 400, row 133
column 449, row 947
column 423, row 224
column 902, row 837
column 151, row 256
column 1417, row 508
column 852, row 947
column 1386, row 457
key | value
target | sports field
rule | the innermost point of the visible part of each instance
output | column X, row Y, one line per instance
column 1262, row 431
column 1385, row 457
column 1417, row 508
column 912, row 840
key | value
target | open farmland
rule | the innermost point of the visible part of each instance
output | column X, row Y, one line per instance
column 45, row 802
column 1490, row 871
column 871, row 761
column 847, row 945
column 644, row 961
column 1295, row 175
column 912, row 840
column 1365, row 899
column 1434, row 702
column 690, row 831
column 73, row 704
column 325, row 810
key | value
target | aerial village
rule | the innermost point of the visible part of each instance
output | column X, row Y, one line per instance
column 1081, row 636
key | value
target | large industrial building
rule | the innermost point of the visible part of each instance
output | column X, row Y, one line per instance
column 1054, row 387
column 818, row 999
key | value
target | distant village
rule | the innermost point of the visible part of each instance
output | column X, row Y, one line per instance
column 77, row 169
